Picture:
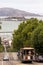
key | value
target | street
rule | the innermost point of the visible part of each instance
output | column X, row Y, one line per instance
column 18, row 63
column 13, row 60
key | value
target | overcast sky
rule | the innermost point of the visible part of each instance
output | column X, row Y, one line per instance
column 33, row 6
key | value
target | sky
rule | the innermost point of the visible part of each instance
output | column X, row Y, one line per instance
column 33, row 6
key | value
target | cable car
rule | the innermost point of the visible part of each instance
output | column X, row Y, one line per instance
column 26, row 54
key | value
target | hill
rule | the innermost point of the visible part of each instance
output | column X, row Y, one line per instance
column 15, row 12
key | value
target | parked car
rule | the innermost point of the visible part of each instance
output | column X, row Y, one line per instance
column 39, row 58
column 5, row 58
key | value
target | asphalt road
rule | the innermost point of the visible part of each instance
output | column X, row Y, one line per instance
column 13, row 60
column 18, row 63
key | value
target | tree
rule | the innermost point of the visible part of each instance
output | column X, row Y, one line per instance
column 37, row 39
column 0, row 27
column 22, row 36
column 0, row 40
column 1, row 46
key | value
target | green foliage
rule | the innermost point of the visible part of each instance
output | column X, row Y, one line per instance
column 1, row 48
column 29, row 33
column 0, row 27
column 37, row 39
column 0, row 40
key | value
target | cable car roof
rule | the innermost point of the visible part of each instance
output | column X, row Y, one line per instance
column 27, row 48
